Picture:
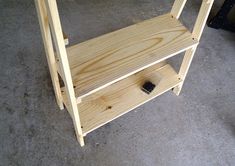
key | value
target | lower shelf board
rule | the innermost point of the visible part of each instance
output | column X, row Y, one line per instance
column 119, row 98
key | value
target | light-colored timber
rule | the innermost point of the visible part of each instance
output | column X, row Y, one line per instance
column 124, row 96
column 57, row 35
column 47, row 41
column 103, row 76
column 197, row 33
column 66, row 39
column 113, row 101
column 99, row 62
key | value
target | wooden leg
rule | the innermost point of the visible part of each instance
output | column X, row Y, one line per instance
column 188, row 57
column 55, row 25
column 80, row 139
column 197, row 32
column 46, row 35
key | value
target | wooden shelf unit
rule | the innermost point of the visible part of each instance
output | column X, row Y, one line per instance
column 102, row 75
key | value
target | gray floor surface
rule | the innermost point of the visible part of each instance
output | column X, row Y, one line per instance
column 197, row 128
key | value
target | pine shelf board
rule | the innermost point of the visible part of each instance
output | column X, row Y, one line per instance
column 123, row 96
column 102, row 61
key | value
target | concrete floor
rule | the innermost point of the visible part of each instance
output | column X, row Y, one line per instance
column 197, row 128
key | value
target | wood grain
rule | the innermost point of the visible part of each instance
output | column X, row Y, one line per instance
column 99, row 62
column 197, row 33
column 48, row 45
column 57, row 34
column 113, row 101
column 177, row 8
column 124, row 59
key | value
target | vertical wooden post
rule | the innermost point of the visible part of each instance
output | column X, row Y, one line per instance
column 57, row 34
column 178, row 8
column 46, row 35
column 197, row 32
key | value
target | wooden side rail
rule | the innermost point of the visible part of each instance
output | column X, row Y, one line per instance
column 48, row 45
column 202, row 16
column 177, row 8
column 197, row 33
column 52, row 19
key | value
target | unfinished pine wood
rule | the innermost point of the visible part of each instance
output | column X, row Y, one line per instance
column 197, row 33
column 66, row 39
column 123, row 96
column 187, row 60
column 118, row 63
column 202, row 18
column 47, row 41
column 102, row 61
column 177, row 8
column 57, row 34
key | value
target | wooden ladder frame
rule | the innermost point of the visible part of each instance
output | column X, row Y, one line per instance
column 52, row 35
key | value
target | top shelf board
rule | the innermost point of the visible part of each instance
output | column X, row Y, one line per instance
column 102, row 61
